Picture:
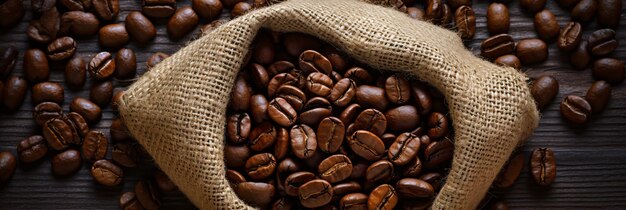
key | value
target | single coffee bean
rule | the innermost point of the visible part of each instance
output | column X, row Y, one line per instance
column 75, row 73
column 335, row 168
column 125, row 64
column 434, row 11
column 236, row 156
column 359, row 75
column 311, row 61
column 106, row 9
column 438, row 125
column 182, row 22
column 207, row 9
column 497, row 46
column 508, row 60
column 234, row 178
column 280, row 67
column 546, row 25
column 509, row 173
column 281, row 148
column 259, row 75
column 381, row 170
column 413, row 168
column 296, row 43
column 238, row 127
column 531, row 51
column 315, row 193
column 609, row 69
column 575, row 109
column 382, row 197
column 163, row 182
column 44, row 30
column 113, row 35
column 281, row 112
column 314, row 111
column 158, row 8
column 532, row 6
column 497, row 19
column 118, row 131
column 402, row 118
column 239, row 9
column 570, row 36
column 609, row 13
column 330, row 134
column 147, row 194
column 32, row 149
column 303, row 141
column 371, row 120
column 350, row 113
column 371, row 97
column 8, row 163
column 58, row 134
column 240, row 96
column 256, row 193
column 294, row 96
column 434, row 179
column 8, row 58
column 77, row 5
column 353, row 201
column 416, row 13
column 295, row 180
column 262, row 136
column 261, row 166
column 397, row 89
column 117, row 100
column 580, row 57
column 602, row 42
column 107, row 173
column 61, row 48
column 343, row 92
column 598, row 95
column 12, row 12
column 258, row 108
column 139, row 27
column 264, row 50
column 95, row 146
column 66, row 163
column 404, row 149
column 14, row 92
column 366, row 145
column 89, row 110
column 544, row 89
column 155, row 59
column 128, row 201
column 339, row 190
column 319, row 84
column 102, row 66
column 585, row 10
column 465, row 20
column 543, row 166
column 47, row 92
column 36, row 67
column 414, row 188
column 437, row 153
column 79, row 23
column 124, row 154
column 79, row 124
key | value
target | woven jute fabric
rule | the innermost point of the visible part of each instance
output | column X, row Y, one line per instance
column 177, row 110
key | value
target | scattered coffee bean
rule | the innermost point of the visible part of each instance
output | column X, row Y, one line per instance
column 497, row 46
column 609, row 12
column 465, row 20
column 497, row 19
column 75, row 73
column 437, row 153
column 8, row 163
column 414, row 188
column 61, row 48
column 158, row 8
column 609, row 69
column 139, row 27
column 108, row 174
column 533, row 6
column 236, row 156
column 546, row 25
column 543, row 166
column 311, row 61
column 95, row 146
column 509, row 173
column 32, row 149
column 89, row 110
column 240, row 9
column 125, row 64
column 416, row 13
column 118, row 131
column 207, row 9
column 575, row 110
column 182, row 22
column 602, row 42
column 353, row 201
column 335, row 168
column 544, row 89
column 256, row 193
column 315, row 193
column 585, row 10
column 14, row 92
column 128, row 201
column 12, row 12
column 79, row 23
column 509, row 60
column 147, row 194
column 47, row 92
column 570, row 36
column 124, row 154
column 260, row 166
column 102, row 66
column 46, row 111
column 58, row 134
column 113, row 35
column 303, row 141
column 155, row 59
column 106, row 9
column 382, row 197
column 598, row 96
column 45, row 29
column 8, row 58
column 36, row 67
column 531, row 51
column 403, row 149
column 580, row 57
column 101, row 93
column 66, row 163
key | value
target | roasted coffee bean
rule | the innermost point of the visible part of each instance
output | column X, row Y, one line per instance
column 509, row 173
column 207, row 9
column 315, row 193
column 258, row 108
column 239, row 9
column 66, row 163
column 585, row 10
column 402, row 118
column 256, row 193
column 416, row 13
column 77, row 122
column 295, row 180
column 286, row 168
column 128, row 201
column 113, row 35
column 139, row 27
column 465, row 20
column 79, row 23
column 281, row 148
column 303, row 141
column 234, row 178
column 359, row 169
column 296, row 43
column 39, row 6
column 434, row 11
column 531, row 51
column 107, row 173
column 261, row 166
column 359, row 75
column 339, row 190
column 609, row 13
column 414, row 188
column 319, row 84
column 371, row 97
column 311, row 61
column 570, row 36
column 343, row 92
column 14, row 92
column 437, row 153
column 158, row 8
column 381, row 170
column 602, row 42
column 124, row 154
column 397, row 89
column 294, row 96
column 238, row 127
column 259, row 75
column 438, row 125
column 89, row 110
column 382, row 197
column 102, row 66
column 163, row 182
column 46, row 111
column 281, row 112
column 155, row 59
column 404, row 149
column 45, row 29
column 36, row 67
column 314, row 111
column 148, row 194
column 280, row 67
column 546, row 25
column 335, row 168
column 338, row 60
column 106, row 9
column 598, row 96
column 240, row 96
column 262, row 136
column 448, row 15
column 508, row 60
column 236, row 156
column 413, row 168
column 95, row 146
column 101, row 93
column 58, row 134
column 575, row 109
column 47, row 92
column 61, row 48
column 497, row 19
column 366, row 145
column 8, row 58
column 294, row 78
column 609, row 69
column 125, row 64
column 182, row 22
column 77, row 5
column 349, row 114
column 12, row 12
column 532, row 6
column 497, row 46
column 32, row 149
column 543, row 166
column 330, row 134
column 264, row 50
column 580, row 57
column 118, row 131
column 544, row 89
column 371, row 120
column 8, row 163
column 353, row 201
column 435, row 179
column 75, row 73
column 117, row 100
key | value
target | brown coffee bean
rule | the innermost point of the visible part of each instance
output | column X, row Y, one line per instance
column 531, row 51
column 350, row 113
column 413, row 168
column 163, row 182
column 113, row 35
column 46, row 111
column 8, row 58
column 437, row 153
column 416, row 13
column 240, row 9
column 315, row 193
column 264, row 50
column 66, row 163
column 256, row 193
column 575, row 109
column 544, row 89
column 359, row 75
column 434, row 11
column 58, row 134
column 12, row 12
column 139, row 27
column 366, row 145
column 107, row 173
column 609, row 13
column 294, row 96
column 497, row 19
column 262, row 136
column 546, row 25
column 497, row 46
column 75, row 73
column 303, row 141
column 371, row 97
column 402, row 118
column 147, row 194
column 79, row 23
column 44, row 30
column 116, row 100
column 414, row 188
column 397, row 89
column 236, row 156
column 90, row 111
column 609, row 69
column 382, row 197
column 570, row 36
column 240, row 95
column 335, row 168
column 102, row 66
column 319, row 84
column 508, row 60
column 207, row 9
column 598, row 96
column 14, row 92
column 371, row 120
column 280, row 67
column 118, row 131
column 295, row 180
column 261, row 166
column 580, row 57
column 77, row 5
column 238, row 127
column 47, row 92
column 281, row 112
column 330, row 134
column 182, row 22
column 79, row 124
column 543, row 166
column 234, row 178
column 8, row 163
column 101, row 93
column 106, row 9
column 314, row 111
column 434, row 179
column 296, row 43
column 95, row 146
column 260, row 76
column 511, row 170
column 343, row 92
column 125, row 64
column 353, row 201
column 258, row 108
column 381, row 170
column 602, row 42
column 155, row 59
column 281, row 148
column 124, row 154
column 128, row 201
column 532, row 6
column 32, row 149
column 36, row 67
column 438, row 125
column 465, row 20
column 403, row 149
column 339, row 190
column 585, row 10
column 158, row 8
column 61, row 48
column 311, row 61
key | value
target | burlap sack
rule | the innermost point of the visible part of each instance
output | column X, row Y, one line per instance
column 177, row 110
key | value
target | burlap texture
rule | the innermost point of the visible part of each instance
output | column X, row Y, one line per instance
column 177, row 110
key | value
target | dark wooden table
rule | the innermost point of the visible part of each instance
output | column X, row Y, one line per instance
column 591, row 161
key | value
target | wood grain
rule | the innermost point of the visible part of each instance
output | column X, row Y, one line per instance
column 591, row 160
